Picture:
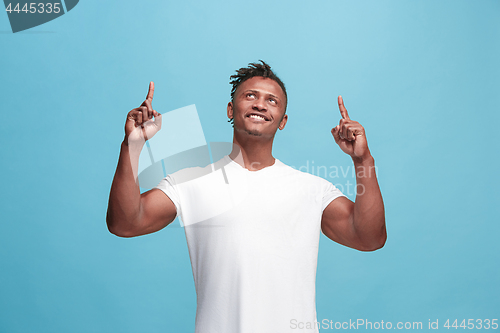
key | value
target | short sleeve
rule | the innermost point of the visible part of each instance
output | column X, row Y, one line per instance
column 167, row 185
column 330, row 193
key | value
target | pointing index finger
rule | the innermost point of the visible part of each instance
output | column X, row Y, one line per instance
column 343, row 110
column 151, row 91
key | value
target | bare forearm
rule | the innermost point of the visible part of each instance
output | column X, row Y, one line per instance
column 368, row 214
column 125, row 195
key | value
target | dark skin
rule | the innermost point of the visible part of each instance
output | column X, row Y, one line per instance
column 258, row 110
column 131, row 213
column 359, row 225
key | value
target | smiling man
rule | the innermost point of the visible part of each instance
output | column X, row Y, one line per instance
column 252, row 223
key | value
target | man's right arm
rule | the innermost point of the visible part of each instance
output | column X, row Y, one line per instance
column 131, row 213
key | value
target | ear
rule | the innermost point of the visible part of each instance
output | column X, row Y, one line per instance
column 230, row 110
column 283, row 122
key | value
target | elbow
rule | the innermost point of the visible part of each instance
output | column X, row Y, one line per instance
column 377, row 239
column 375, row 243
column 112, row 227
column 120, row 233
column 116, row 229
column 374, row 247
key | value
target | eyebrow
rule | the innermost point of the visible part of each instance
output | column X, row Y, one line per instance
column 258, row 91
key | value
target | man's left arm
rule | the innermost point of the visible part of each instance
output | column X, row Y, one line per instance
column 360, row 224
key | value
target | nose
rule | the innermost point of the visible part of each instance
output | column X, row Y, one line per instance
column 259, row 104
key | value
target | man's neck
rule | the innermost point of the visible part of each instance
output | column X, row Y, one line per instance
column 252, row 153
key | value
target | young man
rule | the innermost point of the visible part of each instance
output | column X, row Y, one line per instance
column 252, row 223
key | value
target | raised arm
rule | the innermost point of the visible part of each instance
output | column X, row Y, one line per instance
column 131, row 213
column 360, row 225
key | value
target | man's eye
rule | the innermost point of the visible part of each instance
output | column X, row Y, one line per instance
column 250, row 95
column 273, row 101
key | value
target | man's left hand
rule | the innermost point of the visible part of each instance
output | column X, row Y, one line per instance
column 350, row 135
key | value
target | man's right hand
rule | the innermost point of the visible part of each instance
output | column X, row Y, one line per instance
column 130, row 212
column 140, row 125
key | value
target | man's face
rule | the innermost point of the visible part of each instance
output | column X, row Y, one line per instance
column 258, row 107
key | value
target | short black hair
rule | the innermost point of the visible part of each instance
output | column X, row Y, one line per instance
column 254, row 69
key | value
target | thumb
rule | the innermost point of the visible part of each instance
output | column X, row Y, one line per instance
column 335, row 133
column 157, row 120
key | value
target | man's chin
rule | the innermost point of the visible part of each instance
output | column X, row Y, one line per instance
column 254, row 133
column 248, row 131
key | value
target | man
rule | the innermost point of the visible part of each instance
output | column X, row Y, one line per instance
column 252, row 223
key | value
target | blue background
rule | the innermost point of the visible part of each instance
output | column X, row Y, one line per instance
column 422, row 77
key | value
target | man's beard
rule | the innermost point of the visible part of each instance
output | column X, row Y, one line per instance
column 249, row 132
column 254, row 133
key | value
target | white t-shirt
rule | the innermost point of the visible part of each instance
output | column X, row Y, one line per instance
column 253, row 240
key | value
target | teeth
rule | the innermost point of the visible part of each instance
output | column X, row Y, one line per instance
column 257, row 117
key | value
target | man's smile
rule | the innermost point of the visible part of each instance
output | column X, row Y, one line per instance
column 258, row 116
